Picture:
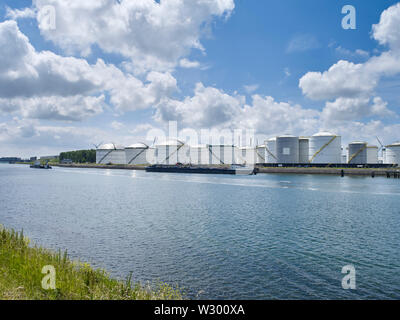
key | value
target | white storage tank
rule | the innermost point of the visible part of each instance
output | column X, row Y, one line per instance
column 136, row 154
column 171, row 152
column 357, row 152
column 325, row 148
column 248, row 154
column 110, row 153
column 392, row 154
column 304, row 149
column 261, row 154
column 200, row 154
column 372, row 155
column 222, row 154
column 287, row 149
column 344, row 158
column 270, row 151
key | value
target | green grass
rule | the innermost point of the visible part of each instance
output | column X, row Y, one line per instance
column 21, row 278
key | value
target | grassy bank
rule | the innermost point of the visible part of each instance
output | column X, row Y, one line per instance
column 21, row 276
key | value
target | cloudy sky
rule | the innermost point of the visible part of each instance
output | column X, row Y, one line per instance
column 75, row 73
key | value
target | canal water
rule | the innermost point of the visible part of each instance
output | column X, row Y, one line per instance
column 217, row 237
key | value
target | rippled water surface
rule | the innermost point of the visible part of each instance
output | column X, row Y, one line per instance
column 226, row 237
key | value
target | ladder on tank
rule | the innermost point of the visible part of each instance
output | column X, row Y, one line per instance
column 321, row 149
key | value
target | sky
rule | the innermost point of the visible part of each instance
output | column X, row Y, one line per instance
column 74, row 74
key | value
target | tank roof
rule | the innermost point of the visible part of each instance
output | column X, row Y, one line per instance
column 287, row 136
column 396, row 144
column 171, row 142
column 324, row 134
column 110, row 146
column 138, row 146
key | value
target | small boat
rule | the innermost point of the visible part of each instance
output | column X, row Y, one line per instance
column 38, row 165
column 243, row 169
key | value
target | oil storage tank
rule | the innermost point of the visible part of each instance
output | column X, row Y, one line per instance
column 270, row 151
column 287, row 149
column 110, row 153
column 199, row 154
column 358, row 152
column 136, row 154
column 392, row 154
column 171, row 152
column 261, row 154
column 222, row 154
column 304, row 149
column 372, row 155
column 325, row 148
column 248, row 154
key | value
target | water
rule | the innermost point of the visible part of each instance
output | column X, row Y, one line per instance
column 219, row 237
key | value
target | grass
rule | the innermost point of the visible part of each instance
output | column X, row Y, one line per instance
column 21, row 277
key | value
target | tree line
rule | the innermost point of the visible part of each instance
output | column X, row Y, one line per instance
column 79, row 156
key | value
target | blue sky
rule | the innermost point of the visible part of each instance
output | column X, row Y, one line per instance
column 249, row 48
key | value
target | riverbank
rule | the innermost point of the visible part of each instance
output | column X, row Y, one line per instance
column 21, row 276
column 332, row 171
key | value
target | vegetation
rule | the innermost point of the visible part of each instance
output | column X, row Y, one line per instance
column 21, row 276
column 80, row 156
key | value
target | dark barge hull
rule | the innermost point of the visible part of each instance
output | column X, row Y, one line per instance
column 176, row 169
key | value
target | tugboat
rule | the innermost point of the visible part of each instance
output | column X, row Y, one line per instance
column 38, row 165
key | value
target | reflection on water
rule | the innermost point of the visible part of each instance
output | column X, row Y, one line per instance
column 232, row 237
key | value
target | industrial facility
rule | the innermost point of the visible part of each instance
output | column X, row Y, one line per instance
column 320, row 149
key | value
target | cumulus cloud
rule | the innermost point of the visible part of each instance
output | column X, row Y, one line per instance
column 356, row 109
column 351, row 87
column 154, row 34
column 207, row 108
column 73, row 108
column 44, row 85
column 212, row 108
column 387, row 31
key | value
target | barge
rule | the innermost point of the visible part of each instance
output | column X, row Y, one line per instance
column 179, row 168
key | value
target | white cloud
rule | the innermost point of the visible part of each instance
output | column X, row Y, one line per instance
column 352, row 54
column 15, row 14
column 352, row 87
column 207, row 108
column 250, row 88
column 387, row 31
column 155, row 35
column 44, row 85
column 346, row 109
column 73, row 108
column 187, row 64
column 116, row 125
column 302, row 43
column 343, row 79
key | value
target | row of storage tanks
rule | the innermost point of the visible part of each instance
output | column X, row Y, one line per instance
column 321, row 148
